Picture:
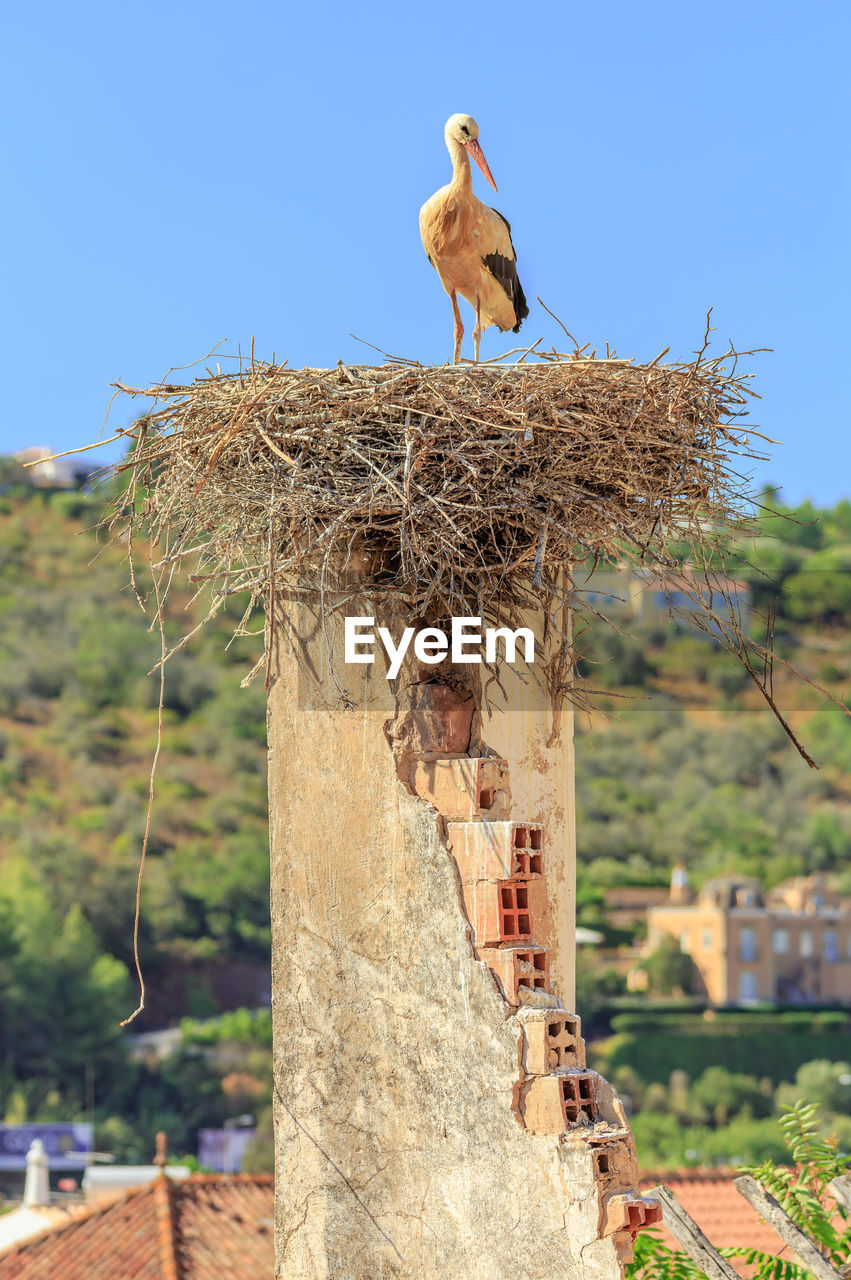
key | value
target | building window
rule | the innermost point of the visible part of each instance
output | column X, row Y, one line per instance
column 685, row 942
column 706, row 939
column 806, row 944
column 781, row 942
column 747, row 945
column 747, row 986
column 831, row 945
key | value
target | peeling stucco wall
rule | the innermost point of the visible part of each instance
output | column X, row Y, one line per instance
column 400, row 1079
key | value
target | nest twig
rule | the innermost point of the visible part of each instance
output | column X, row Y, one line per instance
column 469, row 490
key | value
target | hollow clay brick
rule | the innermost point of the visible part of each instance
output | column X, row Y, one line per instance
column 504, row 910
column 518, row 969
column 553, row 1103
column 553, row 1040
column 497, row 850
column 629, row 1212
column 464, row 789
column 615, row 1165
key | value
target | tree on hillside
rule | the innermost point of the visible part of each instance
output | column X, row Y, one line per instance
column 821, row 590
column 669, row 969
column 725, row 1094
column 827, row 1084
column 14, row 478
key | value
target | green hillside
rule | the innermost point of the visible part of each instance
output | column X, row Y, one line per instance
column 699, row 773
column 688, row 764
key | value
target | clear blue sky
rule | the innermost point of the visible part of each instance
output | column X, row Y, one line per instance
column 180, row 173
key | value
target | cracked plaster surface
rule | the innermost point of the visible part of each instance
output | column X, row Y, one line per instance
column 398, row 1153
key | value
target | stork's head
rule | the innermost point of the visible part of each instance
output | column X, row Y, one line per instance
column 464, row 130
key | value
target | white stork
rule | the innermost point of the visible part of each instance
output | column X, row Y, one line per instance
column 470, row 244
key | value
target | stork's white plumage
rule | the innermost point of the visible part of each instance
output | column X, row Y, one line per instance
column 470, row 244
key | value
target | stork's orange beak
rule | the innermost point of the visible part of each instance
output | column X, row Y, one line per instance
column 476, row 152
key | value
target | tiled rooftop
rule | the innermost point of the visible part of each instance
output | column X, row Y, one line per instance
column 722, row 1214
column 200, row 1228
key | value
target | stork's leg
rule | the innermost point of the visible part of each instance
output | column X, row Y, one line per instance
column 477, row 332
column 459, row 328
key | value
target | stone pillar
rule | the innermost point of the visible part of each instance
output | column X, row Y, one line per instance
column 433, row 1118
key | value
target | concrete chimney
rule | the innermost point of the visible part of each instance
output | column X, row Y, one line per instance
column 681, row 893
column 37, row 1185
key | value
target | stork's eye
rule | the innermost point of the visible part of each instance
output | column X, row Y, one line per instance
column 464, row 129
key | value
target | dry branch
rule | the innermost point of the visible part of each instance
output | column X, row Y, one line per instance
column 689, row 1236
column 803, row 1249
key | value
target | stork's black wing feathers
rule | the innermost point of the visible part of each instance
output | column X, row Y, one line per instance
column 505, row 271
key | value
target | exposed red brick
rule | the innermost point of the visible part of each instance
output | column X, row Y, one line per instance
column 628, row 1211
column 551, row 1104
column 517, row 968
column 615, row 1167
column 504, row 910
column 553, row 1039
column 463, row 789
column 497, row 850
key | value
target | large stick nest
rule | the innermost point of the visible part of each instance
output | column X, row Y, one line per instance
column 474, row 490
column 468, row 489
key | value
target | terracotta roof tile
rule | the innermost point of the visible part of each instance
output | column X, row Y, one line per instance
column 226, row 1228
column 722, row 1214
column 199, row 1228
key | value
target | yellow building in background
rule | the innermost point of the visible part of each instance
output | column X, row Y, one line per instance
column 791, row 944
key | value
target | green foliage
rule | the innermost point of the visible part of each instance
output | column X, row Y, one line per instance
column 595, row 983
column 669, row 969
column 663, row 1141
column 653, row 1260
column 62, row 1000
column 655, row 1050
column 653, row 789
column 77, row 732
column 821, row 590
column 724, row 1094
column 76, row 506
column 740, row 1023
column 826, row 1084
column 801, row 1190
column 722, row 1117
column 617, row 660
column 591, row 914
column 242, row 1026
column 661, row 782
column 75, row 758
column 15, row 479
column 800, row 559
column 833, row 734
